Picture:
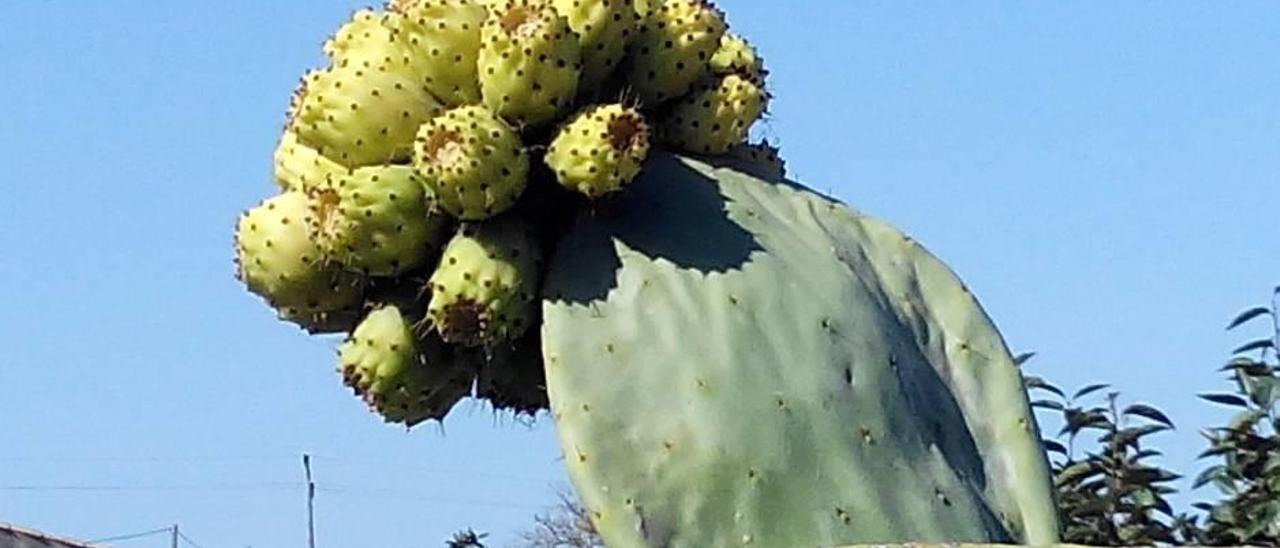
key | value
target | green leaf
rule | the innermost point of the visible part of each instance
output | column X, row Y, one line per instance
column 1226, row 399
column 1039, row 383
column 1260, row 344
column 1248, row 315
column 1054, row 447
column 1089, row 390
column 1048, row 404
column 1207, row 476
column 1149, row 412
column 1265, row 391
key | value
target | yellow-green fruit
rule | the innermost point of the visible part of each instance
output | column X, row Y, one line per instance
column 604, row 29
column 673, row 49
column 300, row 167
column 378, row 220
column 483, row 292
column 355, row 36
column 601, row 150
column 716, row 116
column 530, row 62
column 366, row 107
column 446, row 35
column 473, row 161
column 643, row 7
column 404, row 378
column 737, row 56
column 278, row 260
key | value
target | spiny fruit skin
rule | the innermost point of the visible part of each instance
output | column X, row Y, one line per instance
column 605, row 28
column 673, row 49
column 530, row 62
column 715, row 116
column 473, row 161
column 364, row 27
column 300, row 167
column 277, row 259
column 483, row 292
column 601, row 150
column 378, row 220
column 404, row 378
column 737, row 56
column 445, row 33
column 364, row 109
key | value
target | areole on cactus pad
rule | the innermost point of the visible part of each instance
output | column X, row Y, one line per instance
column 488, row 198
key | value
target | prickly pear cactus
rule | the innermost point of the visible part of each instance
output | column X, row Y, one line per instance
column 733, row 361
column 730, row 359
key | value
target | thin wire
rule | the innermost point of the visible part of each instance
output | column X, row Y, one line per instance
column 133, row 535
column 341, row 489
column 171, row 487
column 431, row 470
column 188, row 540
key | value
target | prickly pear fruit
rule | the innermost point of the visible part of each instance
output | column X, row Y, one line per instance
column 512, row 379
column 601, row 150
column 604, row 29
column 365, row 109
column 715, row 116
column 473, row 161
column 365, row 27
column 737, row 56
column 404, row 378
column 277, row 259
column 484, row 289
column 300, row 167
column 673, row 49
column 446, row 33
column 378, row 220
column 530, row 62
column 761, row 159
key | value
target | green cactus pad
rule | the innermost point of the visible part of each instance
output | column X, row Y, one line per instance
column 473, row 161
column 300, row 167
column 716, row 116
column 737, row 56
column 530, row 62
column 605, row 28
column 673, row 49
column 445, row 33
column 600, row 150
column 402, row 377
column 760, row 159
column 735, row 361
column 279, row 261
column 366, row 112
column 483, row 291
column 378, row 220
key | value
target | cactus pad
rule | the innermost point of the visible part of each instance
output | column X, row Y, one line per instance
column 473, row 161
column 797, row 374
column 601, row 150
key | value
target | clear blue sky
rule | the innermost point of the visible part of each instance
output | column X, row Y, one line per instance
column 1104, row 175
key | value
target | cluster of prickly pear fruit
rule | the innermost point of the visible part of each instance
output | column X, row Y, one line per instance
column 432, row 164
